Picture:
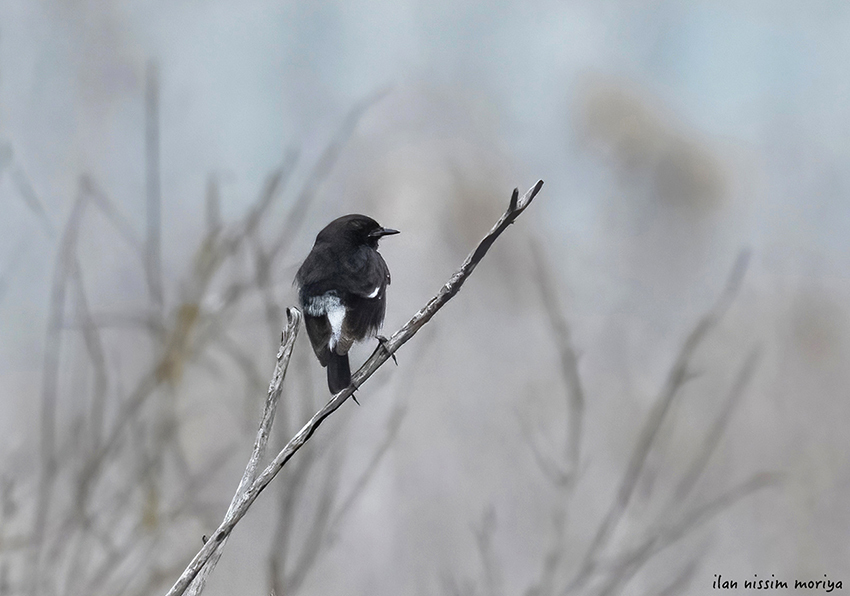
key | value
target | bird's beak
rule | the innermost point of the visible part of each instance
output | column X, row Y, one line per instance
column 382, row 232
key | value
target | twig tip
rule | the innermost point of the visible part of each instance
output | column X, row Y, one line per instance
column 529, row 196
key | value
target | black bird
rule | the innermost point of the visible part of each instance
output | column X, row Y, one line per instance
column 343, row 291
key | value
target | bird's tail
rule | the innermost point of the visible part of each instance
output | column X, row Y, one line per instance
column 339, row 373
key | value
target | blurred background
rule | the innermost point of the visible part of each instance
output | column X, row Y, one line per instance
column 641, row 386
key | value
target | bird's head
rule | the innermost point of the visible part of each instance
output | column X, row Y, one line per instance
column 354, row 229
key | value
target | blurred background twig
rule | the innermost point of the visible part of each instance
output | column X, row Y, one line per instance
column 164, row 168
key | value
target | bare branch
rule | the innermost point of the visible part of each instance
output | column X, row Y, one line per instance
column 484, row 541
column 213, row 206
column 177, row 344
column 312, row 545
column 545, row 585
column 629, row 564
column 283, row 534
column 28, row 194
column 323, row 167
column 285, row 578
column 153, row 198
column 377, row 359
column 110, row 210
column 679, row 375
column 97, row 357
column 287, row 341
column 712, row 439
column 569, row 370
column 393, row 425
column 50, row 381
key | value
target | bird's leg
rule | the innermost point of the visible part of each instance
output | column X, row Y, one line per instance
column 382, row 343
column 354, row 397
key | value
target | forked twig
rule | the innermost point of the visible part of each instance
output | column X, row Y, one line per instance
column 516, row 206
column 679, row 375
column 569, row 370
column 712, row 439
column 287, row 341
column 628, row 565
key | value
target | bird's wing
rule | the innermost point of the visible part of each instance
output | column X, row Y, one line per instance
column 319, row 331
column 315, row 269
column 369, row 274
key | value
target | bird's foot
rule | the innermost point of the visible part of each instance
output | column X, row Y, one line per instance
column 383, row 341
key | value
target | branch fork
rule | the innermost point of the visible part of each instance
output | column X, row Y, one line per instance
column 252, row 485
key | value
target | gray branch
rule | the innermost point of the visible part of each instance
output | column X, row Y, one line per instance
column 241, row 503
column 287, row 341
column 679, row 375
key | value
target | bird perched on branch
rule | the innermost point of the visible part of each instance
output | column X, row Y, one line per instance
column 343, row 291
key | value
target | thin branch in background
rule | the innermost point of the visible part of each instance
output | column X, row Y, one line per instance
column 569, row 370
column 682, row 580
column 679, row 375
column 174, row 344
column 564, row 476
column 516, row 206
column 289, row 495
column 391, row 429
column 177, row 345
column 7, row 154
column 153, row 198
column 50, row 382
column 107, row 570
column 554, row 472
column 218, row 246
column 213, row 206
column 274, row 186
column 314, row 539
column 28, row 194
column 97, row 357
column 287, row 341
column 262, row 277
column 323, row 167
column 328, row 516
column 393, row 425
column 712, row 439
column 76, row 533
column 126, row 412
column 628, row 565
column 5, row 584
column 11, row 264
column 484, row 532
column 545, row 585
column 119, row 222
column 228, row 345
column 8, row 510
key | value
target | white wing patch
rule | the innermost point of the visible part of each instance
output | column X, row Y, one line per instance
column 329, row 305
column 319, row 306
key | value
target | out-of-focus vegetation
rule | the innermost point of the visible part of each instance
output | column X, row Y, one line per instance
column 606, row 408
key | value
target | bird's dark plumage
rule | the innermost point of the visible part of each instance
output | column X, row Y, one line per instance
column 343, row 291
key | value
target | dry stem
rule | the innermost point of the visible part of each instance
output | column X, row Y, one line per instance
column 241, row 503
